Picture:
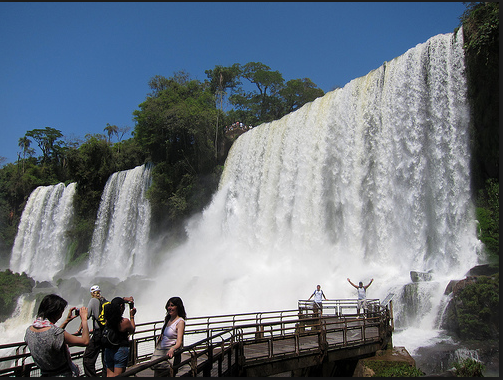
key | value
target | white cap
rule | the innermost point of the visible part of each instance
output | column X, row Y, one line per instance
column 94, row 288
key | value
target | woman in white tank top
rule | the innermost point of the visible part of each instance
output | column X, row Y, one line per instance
column 171, row 337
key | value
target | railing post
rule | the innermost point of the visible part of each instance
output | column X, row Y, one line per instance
column 260, row 332
column 207, row 368
column 345, row 333
column 193, row 363
column 391, row 315
column 301, row 325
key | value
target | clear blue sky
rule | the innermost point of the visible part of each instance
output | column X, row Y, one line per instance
column 77, row 66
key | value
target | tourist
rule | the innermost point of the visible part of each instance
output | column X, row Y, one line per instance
column 171, row 337
column 49, row 343
column 317, row 304
column 95, row 307
column 362, row 296
column 117, row 356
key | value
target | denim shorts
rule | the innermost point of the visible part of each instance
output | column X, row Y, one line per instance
column 116, row 357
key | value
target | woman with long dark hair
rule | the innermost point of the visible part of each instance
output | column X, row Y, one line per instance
column 49, row 343
column 171, row 337
column 116, row 355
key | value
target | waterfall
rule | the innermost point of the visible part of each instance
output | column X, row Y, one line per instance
column 120, row 238
column 369, row 181
column 40, row 246
column 12, row 329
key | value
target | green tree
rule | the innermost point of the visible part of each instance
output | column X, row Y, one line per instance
column 262, row 103
column 90, row 166
column 174, row 127
column 272, row 98
column 24, row 144
column 176, row 124
column 222, row 78
column 48, row 141
column 298, row 92
column 111, row 130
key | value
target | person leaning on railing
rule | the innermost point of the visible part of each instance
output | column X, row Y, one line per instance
column 318, row 301
column 49, row 343
column 171, row 337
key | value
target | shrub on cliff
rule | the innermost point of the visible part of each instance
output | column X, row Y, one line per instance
column 469, row 368
column 382, row 368
column 12, row 285
column 473, row 312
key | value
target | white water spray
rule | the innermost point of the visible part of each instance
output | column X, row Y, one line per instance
column 368, row 181
column 40, row 247
column 120, row 238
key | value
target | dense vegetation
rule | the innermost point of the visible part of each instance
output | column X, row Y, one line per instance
column 383, row 368
column 468, row 368
column 478, row 309
column 481, row 36
column 12, row 285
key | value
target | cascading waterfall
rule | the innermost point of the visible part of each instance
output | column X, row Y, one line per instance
column 368, row 181
column 40, row 247
column 120, row 238
column 12, row 329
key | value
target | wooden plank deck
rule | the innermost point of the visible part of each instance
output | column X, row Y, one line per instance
column 253, row 343
column 282, row 348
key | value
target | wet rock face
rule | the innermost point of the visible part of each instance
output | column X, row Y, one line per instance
column 435, row 359
column 416, row 276
column 483, row 270
column 438, row 360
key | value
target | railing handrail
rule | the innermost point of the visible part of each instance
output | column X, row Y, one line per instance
column 192, row 348
column 269, row 325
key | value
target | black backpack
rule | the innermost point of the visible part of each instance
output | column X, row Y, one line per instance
column 109, row 338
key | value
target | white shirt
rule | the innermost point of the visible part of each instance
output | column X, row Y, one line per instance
column 362, row 293
column 317, row 295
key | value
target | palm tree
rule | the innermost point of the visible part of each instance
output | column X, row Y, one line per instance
column 111, row 129
column 24, row 144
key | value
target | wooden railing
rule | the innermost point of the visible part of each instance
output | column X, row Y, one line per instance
column 217, row 343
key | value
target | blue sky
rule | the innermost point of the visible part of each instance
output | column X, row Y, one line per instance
column 77, row 66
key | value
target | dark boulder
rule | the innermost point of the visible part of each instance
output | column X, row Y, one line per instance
column 483, row 270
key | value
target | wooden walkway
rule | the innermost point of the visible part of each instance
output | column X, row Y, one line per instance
column 253, row 344
column 306, row 346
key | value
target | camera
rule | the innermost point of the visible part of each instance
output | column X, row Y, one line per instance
column 131, row 304
column 77, row 312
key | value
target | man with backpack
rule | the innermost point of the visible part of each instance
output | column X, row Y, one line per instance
column 95, row 307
